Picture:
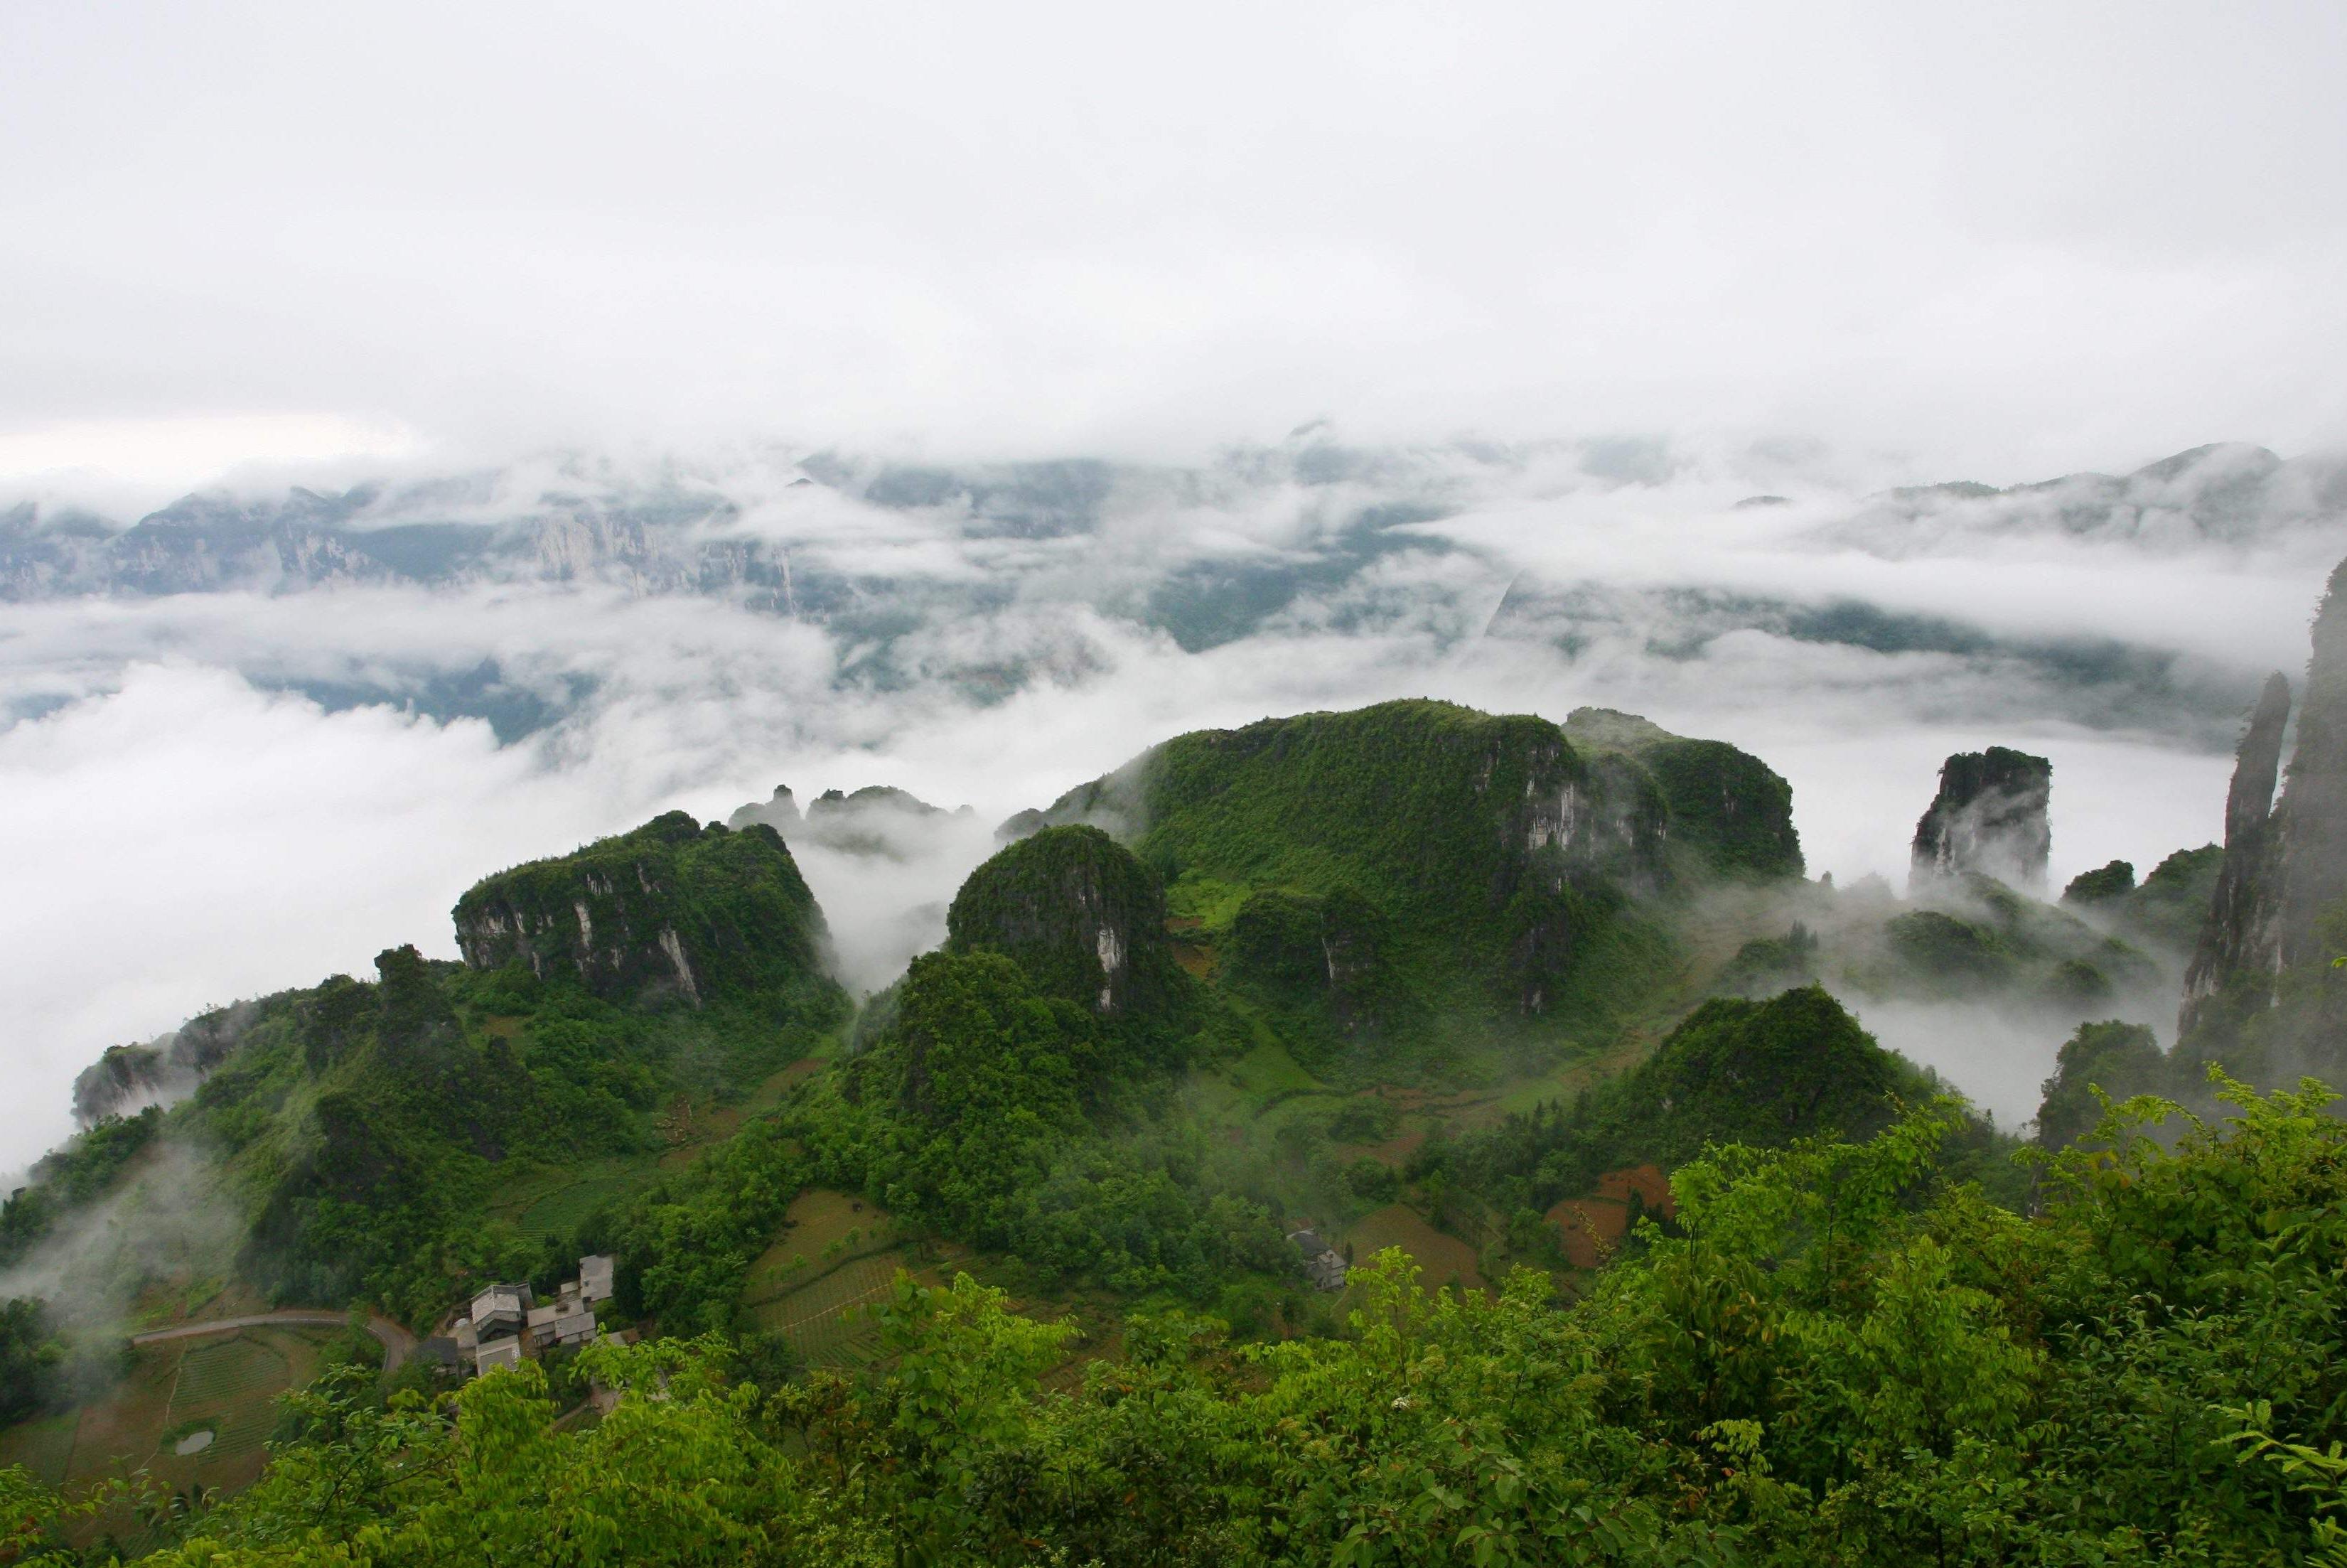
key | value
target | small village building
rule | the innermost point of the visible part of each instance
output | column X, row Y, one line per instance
column 495, row 1353
column 508, row 1322
column 1323, row 1265
column 440, row 1355
column 502, row 1309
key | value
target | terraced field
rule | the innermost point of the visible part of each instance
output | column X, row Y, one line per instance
column 835, row 1254
column 818, row 1317
column 820, row 1229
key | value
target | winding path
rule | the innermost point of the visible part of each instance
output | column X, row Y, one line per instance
column 398, row 1344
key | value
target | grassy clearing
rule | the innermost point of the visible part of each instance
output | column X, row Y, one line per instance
column 1270, row 1072
column 1210, row 903
column 224, row 1370
column 545, row 1200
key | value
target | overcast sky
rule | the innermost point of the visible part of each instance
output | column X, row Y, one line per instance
column 2000, row 240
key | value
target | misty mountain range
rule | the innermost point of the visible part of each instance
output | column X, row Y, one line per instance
column 1310, row 535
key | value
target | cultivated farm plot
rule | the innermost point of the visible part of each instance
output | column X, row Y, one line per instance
column 1589, row 1229
column 1439, row 1258
column 817, row 1221
column 227, row 1386
column 551, row 1200
column 821, row 1316
column 45, row 1446
column 231, row 1386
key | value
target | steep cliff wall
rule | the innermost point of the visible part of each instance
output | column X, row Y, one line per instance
column 672, row 910
column 128, row 1076
column 1990, row 817
column 2241, row 934
column 2310, row 820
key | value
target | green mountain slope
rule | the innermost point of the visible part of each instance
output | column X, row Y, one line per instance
column 1402, row 885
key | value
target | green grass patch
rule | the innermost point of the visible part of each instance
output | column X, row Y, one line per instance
column 1270, row 1072
column 1212, row 903
column 1441, row 1259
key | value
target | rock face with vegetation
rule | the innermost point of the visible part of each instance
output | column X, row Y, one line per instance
column 1081, row 915
column 2104, row 885
column 1729, row 810
column 2167, row 911
column 2110, row 1055
column 670, row 911
column 1990, row 817
column 1735, row 1070
column 1458, row 872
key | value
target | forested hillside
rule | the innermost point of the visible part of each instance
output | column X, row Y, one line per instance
column 1832, row 1356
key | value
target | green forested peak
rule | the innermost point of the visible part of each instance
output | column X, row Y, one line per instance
column 1081, row 914
column 670, row 911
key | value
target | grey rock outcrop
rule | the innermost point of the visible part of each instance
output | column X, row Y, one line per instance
column 780, row 811
column 1990, row 817
column 129, row 1076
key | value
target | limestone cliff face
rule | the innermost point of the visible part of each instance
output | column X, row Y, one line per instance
column 2241, row 934
column 2260, row 990
column 1989, row 817
column 2310, row 824
column 672, row 911
column 1079, row 914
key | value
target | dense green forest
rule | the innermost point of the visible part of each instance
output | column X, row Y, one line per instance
column 1834, row 1355
column 1413, row 973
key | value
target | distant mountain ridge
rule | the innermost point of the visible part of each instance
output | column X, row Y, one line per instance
column 672, row 535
